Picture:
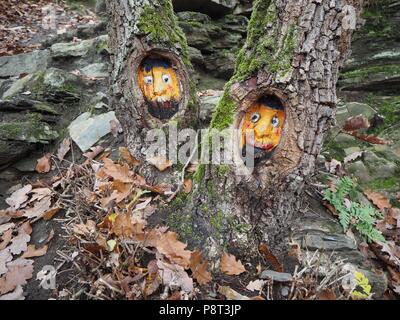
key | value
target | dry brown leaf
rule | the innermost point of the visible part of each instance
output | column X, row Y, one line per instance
column 153, row 279
column 20, row 242
column 51, row 213
column 370, row 138
column 230, row 265
column 199, row 268
column 187, row 185
column 256, row 285
column 43, row 164
column 124, row 227
column 168, row 244
column 117, row 172
column 94, row 153
column 5, row 257
column 33, row 252
column 378, row 199
column 6, row 238
column 120, row 192
column 39, row 194
column 231, row 294
column 39, row 208
column 17, row 294
column 85, row 229
column 160, row 162
column 326, row 294
column 128, row 158
column 63, row 149
column 175, row 276
column 18, row 197
column 19, row 271
column 268, row 255
column 355, row 123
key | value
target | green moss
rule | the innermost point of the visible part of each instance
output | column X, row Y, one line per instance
column 198, row 176
column 366, row 72
column 217, row 222
column 160, row 24
column 223, row 115
column 223, row 169
column 261, row 49
column 383, row 183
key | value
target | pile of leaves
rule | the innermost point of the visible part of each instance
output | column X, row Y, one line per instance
column 25, row 22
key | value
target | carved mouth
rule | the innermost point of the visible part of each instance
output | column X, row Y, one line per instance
column 260, row 145
column 163, row 109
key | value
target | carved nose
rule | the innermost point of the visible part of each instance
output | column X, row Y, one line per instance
column 159, row 88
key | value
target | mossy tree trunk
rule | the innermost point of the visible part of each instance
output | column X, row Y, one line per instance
column 293, row 52
column 141, row 31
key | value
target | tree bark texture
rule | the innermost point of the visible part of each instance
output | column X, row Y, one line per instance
column 140, row 30
column 294, row 51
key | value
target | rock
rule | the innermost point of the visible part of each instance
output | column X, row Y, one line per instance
column 351, row 150
column 193, row 16
column 276, row 276
column 24, row 63
column 234, row 23
column 359, row 170
column 356, row 108
column 221, row 64
column 323, row 241
column 345, row 140
column 17, row 87
column 379, row 167
column 96, row 70
column 26, row 164
column 195, row 56
column 213, row 8
column 87, row 129
column 79, row 49
column 208, row 104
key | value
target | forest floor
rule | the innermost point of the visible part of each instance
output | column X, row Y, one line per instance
column 89, row 221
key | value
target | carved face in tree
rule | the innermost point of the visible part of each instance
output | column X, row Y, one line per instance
column 264, row 121
column 160, row 87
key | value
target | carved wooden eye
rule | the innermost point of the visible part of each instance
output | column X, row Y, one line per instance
column 148, row 79
column 165, row 78
column 275, row 122
column 255, row 117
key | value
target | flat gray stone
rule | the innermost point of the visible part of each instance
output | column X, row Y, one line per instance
column 95, row 70
column 87, row 129
column 357, row 108
column 71, row 49
column 24, row 63
column 276, row 276
column 321, row 241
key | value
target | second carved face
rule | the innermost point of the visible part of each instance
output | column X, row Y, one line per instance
column 262, row 126
column 160, row 87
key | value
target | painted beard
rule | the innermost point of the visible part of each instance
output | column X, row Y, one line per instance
column 162, row 108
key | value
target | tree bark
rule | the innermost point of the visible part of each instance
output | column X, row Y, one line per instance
column 141, row 31
column 293, row 53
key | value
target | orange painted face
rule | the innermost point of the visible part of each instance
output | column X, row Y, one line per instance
column 266, row 123
column 160, row 87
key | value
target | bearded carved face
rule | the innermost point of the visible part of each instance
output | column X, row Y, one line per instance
column 160, row 87
column 262, row 126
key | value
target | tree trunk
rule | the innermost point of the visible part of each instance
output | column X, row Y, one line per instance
column 150, row 79
column 290, row 62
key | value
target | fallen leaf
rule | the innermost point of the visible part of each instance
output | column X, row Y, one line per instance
column 7, row 226
column 370, row 138
column 39, row 194
column 123, row 226
column 38, row 209
column 63, row 149
column 231, row 294
column 187, row 185
column 17, row 294
column 326, row 294
column 160, row 162
column 275, row 263
column 355, row 123
column 117, row 172
column 19, row 197
column 5, row 257
column 43, row 164
column 175, row 276
column 199, row 268
column 19, row 243
column 230, row 265
column 256, row 285
column 19, row 271
column 94, row 153
column 6, row 238
column 128, row 158
column 378, row 199
column 33, row 252
column 51, row 213
column 153, row 279
column 173, row 249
